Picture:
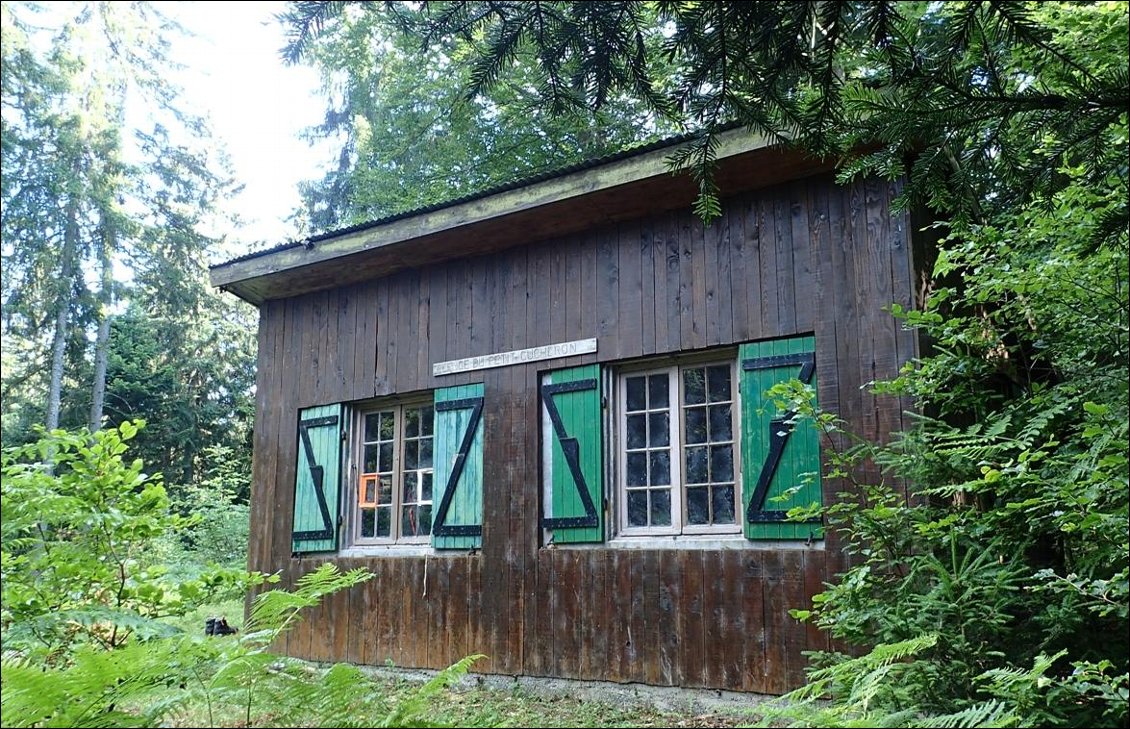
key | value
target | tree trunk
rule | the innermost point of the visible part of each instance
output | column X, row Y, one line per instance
column 102, row 341
column 62, row 313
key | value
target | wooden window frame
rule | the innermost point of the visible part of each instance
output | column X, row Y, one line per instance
column 677, row 441
column 356, row 462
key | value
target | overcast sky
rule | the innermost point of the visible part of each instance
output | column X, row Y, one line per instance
column 257, row 106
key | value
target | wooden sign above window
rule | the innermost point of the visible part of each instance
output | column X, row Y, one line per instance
column 517, row 356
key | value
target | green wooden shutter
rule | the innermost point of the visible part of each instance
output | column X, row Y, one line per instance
column 317, row 483
column 572, row 440
column 775, row 456
column 458, row 461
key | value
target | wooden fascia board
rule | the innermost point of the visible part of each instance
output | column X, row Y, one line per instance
column 576, row 184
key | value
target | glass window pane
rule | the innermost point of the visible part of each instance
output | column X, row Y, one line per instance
column 698, row 505
column 411, row 422
column 696, row 424
column 411, row 455
column 425, row 512
column 637, row 469
column 384, row 521
column 637, row 431
column 637, row 508
column 721, row 424
column 384, row 493
column 660, row 507
column 657, row 386
column 722, row 463
column 408, row 490
column 660, row 472
column 372, row 429
column 427, row 420
column 722, row 498
column 426, row 453
column 369, row 490
column 694, row 386
column 659, row 428
column 368, row 523
column 718, row 382
column 384, row 464
column 371, row 465
column 696, row 465
column 388, row 425
column 426, row 486
column 637, row 396
column 409, row 522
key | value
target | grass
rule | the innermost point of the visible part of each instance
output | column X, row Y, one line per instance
column 484, row 706
column 518, row 707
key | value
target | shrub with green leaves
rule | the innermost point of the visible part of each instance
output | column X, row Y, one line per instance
column 1011, row 552
column 77, row 525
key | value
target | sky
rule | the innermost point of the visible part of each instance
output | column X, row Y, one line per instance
column 257, row 107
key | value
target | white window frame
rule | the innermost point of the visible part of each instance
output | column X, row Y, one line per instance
column 675, row 406
column 356, row 464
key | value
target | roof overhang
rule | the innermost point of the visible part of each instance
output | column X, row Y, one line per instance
column 627, row 188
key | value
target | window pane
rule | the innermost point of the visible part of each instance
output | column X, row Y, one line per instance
column 660, row 507
column 696, row 424
column 426, row 486
column 657, row 386
column 718, row 382
column 425, row 512
column 721, row 424
column 694, row 387
column 637, row 433
column 384, row 464
column 410, row 522
column 721, row 463
column 660, row 471
column 369, row 492
column 659, row 428
column 384, row 521
column 368, row 523
column 388, row 425
column 723, row 503
column 426, row 453
column 427, row 420
column 384, row 494
column 698, row 505
column 408, row 495
column 637, row 508
column 411, row 423
column 371, row 465
column 372, row 429
column 411, row 455
column 696, row 465
column 637, row 469
column 637, row 396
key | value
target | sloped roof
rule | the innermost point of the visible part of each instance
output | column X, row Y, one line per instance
column 629, row 184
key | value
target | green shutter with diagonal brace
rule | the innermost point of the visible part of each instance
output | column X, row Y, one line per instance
column 317, row 482
column 458, row 521
column 780, row 462
column 572, row 442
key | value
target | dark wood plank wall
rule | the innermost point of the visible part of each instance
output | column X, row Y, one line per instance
column 804, row 257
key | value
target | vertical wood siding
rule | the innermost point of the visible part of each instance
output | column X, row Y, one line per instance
column 807, row 257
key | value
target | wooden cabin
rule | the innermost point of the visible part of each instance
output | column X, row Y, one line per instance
column 538, row 415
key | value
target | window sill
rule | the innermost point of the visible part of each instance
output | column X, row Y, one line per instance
column 699, row 542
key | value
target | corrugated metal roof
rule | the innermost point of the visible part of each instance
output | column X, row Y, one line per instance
column 522, row 182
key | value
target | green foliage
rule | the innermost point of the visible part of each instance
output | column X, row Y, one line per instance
column 86, row 630
column 78, row 522
column 950, row 94
column 411, row 135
